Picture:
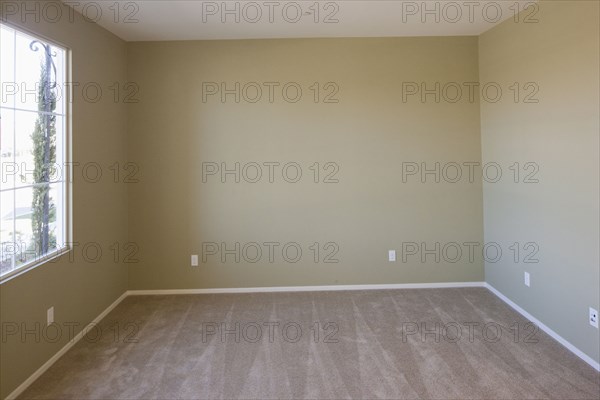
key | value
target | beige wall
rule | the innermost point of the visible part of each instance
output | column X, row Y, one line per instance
column 560, row 134
column 369, row 134
column 78, row 290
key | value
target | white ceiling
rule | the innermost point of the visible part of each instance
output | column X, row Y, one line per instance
column 153, row 20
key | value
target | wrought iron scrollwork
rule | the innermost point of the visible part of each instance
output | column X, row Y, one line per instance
column 34, row 45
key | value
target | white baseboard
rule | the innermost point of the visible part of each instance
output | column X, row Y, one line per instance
column 309, row 288
column 21, row 388
column 545, row 328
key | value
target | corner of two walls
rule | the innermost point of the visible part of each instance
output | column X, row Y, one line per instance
column 545, row 136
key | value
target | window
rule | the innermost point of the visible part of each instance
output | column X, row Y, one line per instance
column 33, row 151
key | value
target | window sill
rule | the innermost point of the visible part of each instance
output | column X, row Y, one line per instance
column 50, row 257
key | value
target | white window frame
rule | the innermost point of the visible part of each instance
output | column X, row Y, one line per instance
column 67, row 192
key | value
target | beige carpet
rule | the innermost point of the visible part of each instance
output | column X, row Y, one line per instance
column 394, row 344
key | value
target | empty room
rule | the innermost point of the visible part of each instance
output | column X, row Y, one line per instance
column 307, row 199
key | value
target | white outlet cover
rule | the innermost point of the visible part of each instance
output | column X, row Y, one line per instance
column 594, row 318
column 527, row 279
column 392, row 255
column 50, row 315
column 194, row 260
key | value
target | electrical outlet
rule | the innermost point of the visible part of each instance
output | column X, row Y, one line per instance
column 50, row 315
column 594, row 318
column 392, row 255
column 527, row 279
column 194, row 260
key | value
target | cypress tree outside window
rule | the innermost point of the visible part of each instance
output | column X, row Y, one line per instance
column 33, row 151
